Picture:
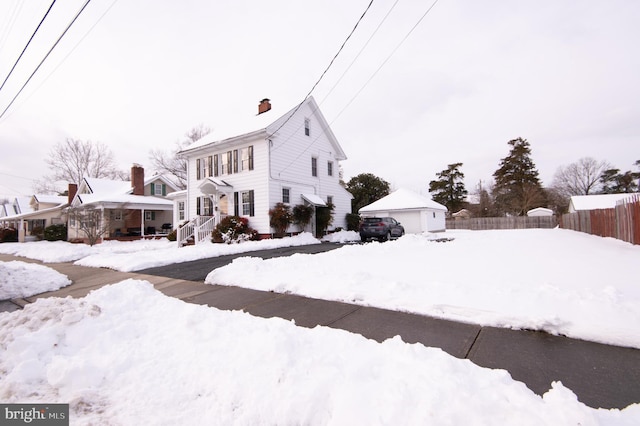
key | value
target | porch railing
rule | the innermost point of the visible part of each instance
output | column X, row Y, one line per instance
column 199, row 229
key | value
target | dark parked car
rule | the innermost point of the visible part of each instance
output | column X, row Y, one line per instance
column 380, row 228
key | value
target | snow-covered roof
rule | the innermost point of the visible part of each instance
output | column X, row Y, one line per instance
column 50, row 199
column 107, row 186
column 313, row 199
column 402, row 199
column 540, row 211
column 265, row 125
column 594, row 202
column 124, row 199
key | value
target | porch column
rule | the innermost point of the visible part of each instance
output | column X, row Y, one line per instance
column 142, row 219
column 103, row 224
column 21, row 231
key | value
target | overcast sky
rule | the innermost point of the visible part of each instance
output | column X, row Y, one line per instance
column 470, row 77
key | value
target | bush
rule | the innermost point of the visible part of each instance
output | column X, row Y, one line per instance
column 353, row 221
column 279, row 218
column 57, row 232
column 302, row 215
column 324, row 218
column 8, row 235
column 173, row 235
column 234, row 229
column 38, row 231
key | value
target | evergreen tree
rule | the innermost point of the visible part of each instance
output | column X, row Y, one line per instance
column 449, row 189
column 615, row 182
column 517, row 186
column 366, row 188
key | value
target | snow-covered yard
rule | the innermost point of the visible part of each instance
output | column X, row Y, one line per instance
column 126, row 354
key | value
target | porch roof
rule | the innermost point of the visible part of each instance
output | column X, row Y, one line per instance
column 215, row 184
column 126, row 201
column 313, row 199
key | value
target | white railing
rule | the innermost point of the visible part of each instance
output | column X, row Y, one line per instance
column 184, row 233
column 204, row 226
column 199, row 229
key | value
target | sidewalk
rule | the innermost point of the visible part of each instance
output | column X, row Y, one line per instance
column 600, row 375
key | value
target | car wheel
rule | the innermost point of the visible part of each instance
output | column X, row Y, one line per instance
column 386, row 237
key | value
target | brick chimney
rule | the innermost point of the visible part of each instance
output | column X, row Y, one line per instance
column 137, row 179
column 264, row 106
column 71, row 192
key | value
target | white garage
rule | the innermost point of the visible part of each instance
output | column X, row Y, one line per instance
column 416, row 213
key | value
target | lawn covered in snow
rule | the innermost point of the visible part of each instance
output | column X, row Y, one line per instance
column 556, row 280
column 126, row 354
column 22, row 279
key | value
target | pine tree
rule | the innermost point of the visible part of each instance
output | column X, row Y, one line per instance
column 449, row 189
column 517, row 186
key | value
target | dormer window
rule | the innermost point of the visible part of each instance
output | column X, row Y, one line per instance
column 307, row 127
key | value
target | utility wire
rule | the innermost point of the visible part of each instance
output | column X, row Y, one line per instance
column 45, row 57
column 326, row 69
column 10, row 22
column 44, row 80
column 385, row 61
column 27, row 45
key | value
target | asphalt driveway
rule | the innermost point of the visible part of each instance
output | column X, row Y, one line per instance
column 197, row 270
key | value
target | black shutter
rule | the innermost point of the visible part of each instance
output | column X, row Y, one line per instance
column 215, row 165
column 229, row 161
column 210, row 165
column 198, row 206
column 236, row 210
column 252, row 209
column 235, row 161
column 251, row 157
column 198, row 169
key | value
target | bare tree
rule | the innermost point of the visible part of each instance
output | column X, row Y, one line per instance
column 74, row 159
column 169, row 163
column 579, row 178
column 90, row 222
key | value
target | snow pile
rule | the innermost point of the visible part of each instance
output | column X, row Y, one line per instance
column 342, row 237
column 21, row 279
column 555, row 280
column 148, row 253
column 126, row 354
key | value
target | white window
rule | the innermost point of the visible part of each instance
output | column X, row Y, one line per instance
column 247, row 203
column 148, row 215
column 286, row 195
column 330, row 168
column 181, row 210
column 329, row 199
column 307, row 127
column 246, row 159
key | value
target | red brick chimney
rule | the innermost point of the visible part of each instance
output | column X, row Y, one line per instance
column 71, row 192
column 137, row 179
column 264, row 106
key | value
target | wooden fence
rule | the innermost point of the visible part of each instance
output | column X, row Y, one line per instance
column 621, row 222
column 514, row 222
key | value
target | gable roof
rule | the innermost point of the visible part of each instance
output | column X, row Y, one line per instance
column 402, row 199
column 594, row 202
column 263, row 125
column 115, row 192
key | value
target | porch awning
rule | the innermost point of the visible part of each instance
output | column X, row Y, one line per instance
column 313, row 199
column 211, row 184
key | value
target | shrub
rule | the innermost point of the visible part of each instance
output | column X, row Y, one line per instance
column 38, row 231
column 353, row 220
column 57, row 232
column 279, row 218
column 173, row 235
column 324, row 218
column 8, row 235
column 302, row 215
column 233, row 229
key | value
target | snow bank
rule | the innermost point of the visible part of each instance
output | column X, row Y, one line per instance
column 126, row 354
column 21, row 279
column 555, row 280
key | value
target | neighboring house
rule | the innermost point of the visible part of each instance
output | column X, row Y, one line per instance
column 594, row 202
column 125, row 209
column 27, row 214
column 291, row 158
column 540, row 211
column 461, row 214
column 416, row 213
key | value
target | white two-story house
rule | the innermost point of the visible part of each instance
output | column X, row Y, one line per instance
column 291, row 158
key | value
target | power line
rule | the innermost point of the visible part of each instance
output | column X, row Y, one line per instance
column 27, row 45
column 386, row 60
column 326, row 69
column 10, row 22
column 73, row 49
column 45, row 57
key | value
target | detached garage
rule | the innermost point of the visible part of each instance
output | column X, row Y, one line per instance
column 416, row 213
